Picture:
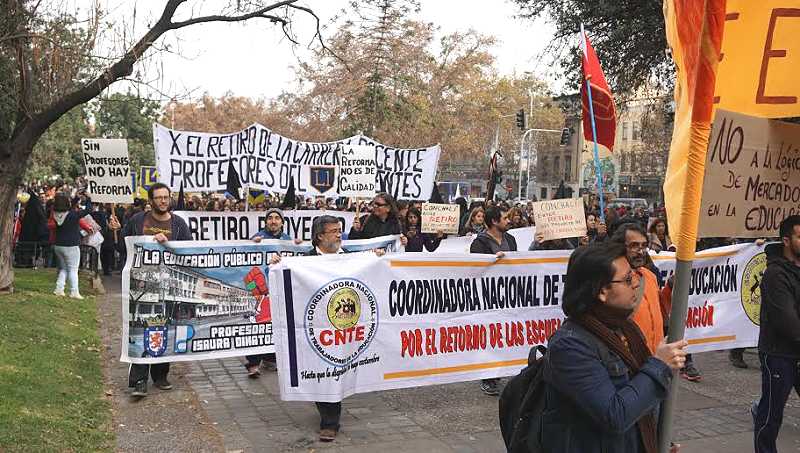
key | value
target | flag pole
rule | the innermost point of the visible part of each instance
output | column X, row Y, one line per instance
column 597, row 167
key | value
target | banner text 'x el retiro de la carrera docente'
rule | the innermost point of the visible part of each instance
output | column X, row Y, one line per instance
column 266, row 160
column 352, row 323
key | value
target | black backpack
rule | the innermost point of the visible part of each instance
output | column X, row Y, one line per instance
column 522, row 404
column 523, row 399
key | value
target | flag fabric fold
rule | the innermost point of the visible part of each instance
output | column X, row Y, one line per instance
column 436, row 196
column 694, row 32
column 233, row 184
column 181, row 205
column 290, row 199
column 605, row 111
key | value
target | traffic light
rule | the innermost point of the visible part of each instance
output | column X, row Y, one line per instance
column 565, row 133
column 521, row 120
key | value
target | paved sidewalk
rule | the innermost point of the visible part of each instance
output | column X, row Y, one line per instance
column 248, row 415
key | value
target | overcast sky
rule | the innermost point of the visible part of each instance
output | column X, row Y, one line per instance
column 253, row 59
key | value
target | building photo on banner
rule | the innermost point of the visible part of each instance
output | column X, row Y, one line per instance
column 197, row 300
column 351, row 324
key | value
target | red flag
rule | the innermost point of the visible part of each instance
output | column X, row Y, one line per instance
column 605, row 112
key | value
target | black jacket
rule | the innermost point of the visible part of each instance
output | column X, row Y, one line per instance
column 780, row 305
column 68, row 234
column 483, row 243
column 373, row 227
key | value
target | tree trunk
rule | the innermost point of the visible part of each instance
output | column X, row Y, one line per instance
column 11, row 170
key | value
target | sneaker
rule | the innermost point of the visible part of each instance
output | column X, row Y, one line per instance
column 76, row 296
column 690, row 373
column 253, row 371
column 59, row 292
column 737, row 359
column 163, row 384
column 140, row 389
column 327, row 435
column 490, row 387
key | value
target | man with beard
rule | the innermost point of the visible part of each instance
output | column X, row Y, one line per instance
column 273, row 230
column 648, row 315
column 779, row 337
column 163, row 226
column 496, row 241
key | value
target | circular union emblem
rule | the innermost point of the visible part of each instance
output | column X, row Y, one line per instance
column 341, row 320
column 751, row 286
column 344, row 308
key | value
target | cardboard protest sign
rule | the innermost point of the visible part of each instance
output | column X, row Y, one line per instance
column 562, row 218
column 436, row 217
column 268, row 161
column 108, row 170
column 752, row 178
column 357, row 171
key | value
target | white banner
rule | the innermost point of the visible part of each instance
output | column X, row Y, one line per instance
column 192, row 300
column 461, row 244
column 236, row 225
column 354, row 324
column 108, row 170
column 266, row 160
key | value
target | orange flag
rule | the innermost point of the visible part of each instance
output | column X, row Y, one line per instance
column 694, row 32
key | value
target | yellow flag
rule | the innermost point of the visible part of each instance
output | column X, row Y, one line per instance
column 694, row 32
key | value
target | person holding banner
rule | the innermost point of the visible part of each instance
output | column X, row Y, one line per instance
column 495, row 241
column 273, row 230
column 603, row 385
column 382, row 221
column 779, row 337
column 163, row 226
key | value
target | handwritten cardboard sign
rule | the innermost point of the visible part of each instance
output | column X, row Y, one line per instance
column 436, row 217
column 108, row 170
column 752, row 177
column 357, row 171
column 557, row 219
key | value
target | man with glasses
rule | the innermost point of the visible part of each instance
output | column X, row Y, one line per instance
column 163, row 226
column 648, row 314
column 382, row 221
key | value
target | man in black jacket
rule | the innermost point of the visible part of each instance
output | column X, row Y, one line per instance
column 779, row 338
column 495, row 241
column 163, row 226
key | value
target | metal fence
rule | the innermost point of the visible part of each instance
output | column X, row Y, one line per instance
column 40, row 254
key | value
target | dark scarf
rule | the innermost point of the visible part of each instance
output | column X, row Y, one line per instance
column 603, row 321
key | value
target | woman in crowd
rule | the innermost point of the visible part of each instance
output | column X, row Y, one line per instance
column 416, row 239
column 475, row 223
column 67, row 246
column 659, row 239
column 517, row 219
column 603, row 384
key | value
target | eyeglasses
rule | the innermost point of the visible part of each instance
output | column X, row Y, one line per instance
column 628, row 280
column 379, row 205
column 637, row 246
column 336, row 231
column 166, row 197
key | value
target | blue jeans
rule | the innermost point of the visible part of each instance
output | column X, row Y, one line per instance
column 68, row 259
column 779, row 375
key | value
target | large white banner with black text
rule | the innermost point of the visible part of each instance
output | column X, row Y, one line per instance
column 265, row 160
column 236, row 225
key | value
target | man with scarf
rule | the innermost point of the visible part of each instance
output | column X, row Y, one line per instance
column 603, row 384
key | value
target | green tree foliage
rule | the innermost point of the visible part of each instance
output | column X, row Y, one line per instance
column 128, row 116
column 57, row 154
column 628, row 35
